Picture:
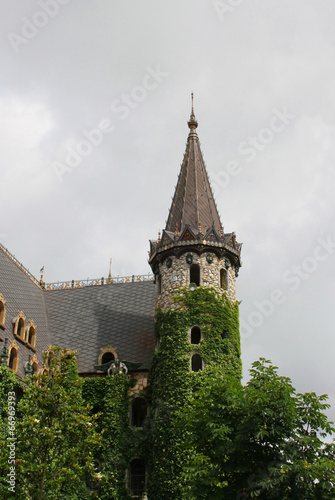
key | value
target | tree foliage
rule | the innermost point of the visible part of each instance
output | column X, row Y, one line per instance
column 263, row 441
column 8, row 389
column 56, row 434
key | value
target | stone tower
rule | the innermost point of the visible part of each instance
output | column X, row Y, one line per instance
column 197, row 327
column 193, row 248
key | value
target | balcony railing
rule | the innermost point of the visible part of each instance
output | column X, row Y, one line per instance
column 61, row 285
column 116, row 280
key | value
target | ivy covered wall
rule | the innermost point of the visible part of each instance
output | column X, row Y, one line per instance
column 172, row 381
column 161, row 441
column 109, row 397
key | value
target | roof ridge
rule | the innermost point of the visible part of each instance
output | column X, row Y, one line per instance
column 20, row 265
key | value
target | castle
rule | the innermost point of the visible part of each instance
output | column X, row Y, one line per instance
column 110, row 322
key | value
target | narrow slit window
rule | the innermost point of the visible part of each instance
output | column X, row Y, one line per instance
column 159, row 284
column 137, row 477
column 196, row 363
column 224, row 279
column 224, row 334
column 139, row 412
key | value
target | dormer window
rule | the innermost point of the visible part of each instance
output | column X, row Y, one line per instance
column 195, row 274
column 19, row 326
column 107, row 357
column 2, row 310
column 31, row 334
column 13, row 360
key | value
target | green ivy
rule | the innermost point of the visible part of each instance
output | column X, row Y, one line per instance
column 172, row 382
column 109, row 397
column 8, row 387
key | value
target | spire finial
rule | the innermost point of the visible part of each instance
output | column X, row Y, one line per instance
column 109, row 279
column 192, row 123
column 41, row 280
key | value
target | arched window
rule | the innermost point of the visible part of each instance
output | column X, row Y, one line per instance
column 224, row 279
column 20, row 327
column 137, row 477
column 2, row 310
column 13, row 359
column 196, row 363
column 108, row 356
column 138, row 412
column 195, row 335
column 31, row 336
column 195, row 274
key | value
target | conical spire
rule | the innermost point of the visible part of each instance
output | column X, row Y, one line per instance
column 193, row 203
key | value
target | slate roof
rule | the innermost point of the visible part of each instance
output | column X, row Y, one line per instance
column 22, row 294
column 193, row 203
column 82, row 319
column 90, row 318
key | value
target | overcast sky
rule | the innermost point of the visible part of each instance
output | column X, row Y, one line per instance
column 118, row 76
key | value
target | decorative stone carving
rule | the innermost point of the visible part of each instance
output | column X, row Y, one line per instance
column 189, row 258
column 209, row 258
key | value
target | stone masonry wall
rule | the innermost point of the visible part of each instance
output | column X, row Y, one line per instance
column 178, row 275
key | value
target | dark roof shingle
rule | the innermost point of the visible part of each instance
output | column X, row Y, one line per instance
column 90, row 318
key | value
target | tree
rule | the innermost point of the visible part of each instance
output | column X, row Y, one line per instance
column 210, row 419
column 8, row 400
column 261, row 441
column 56, row 434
